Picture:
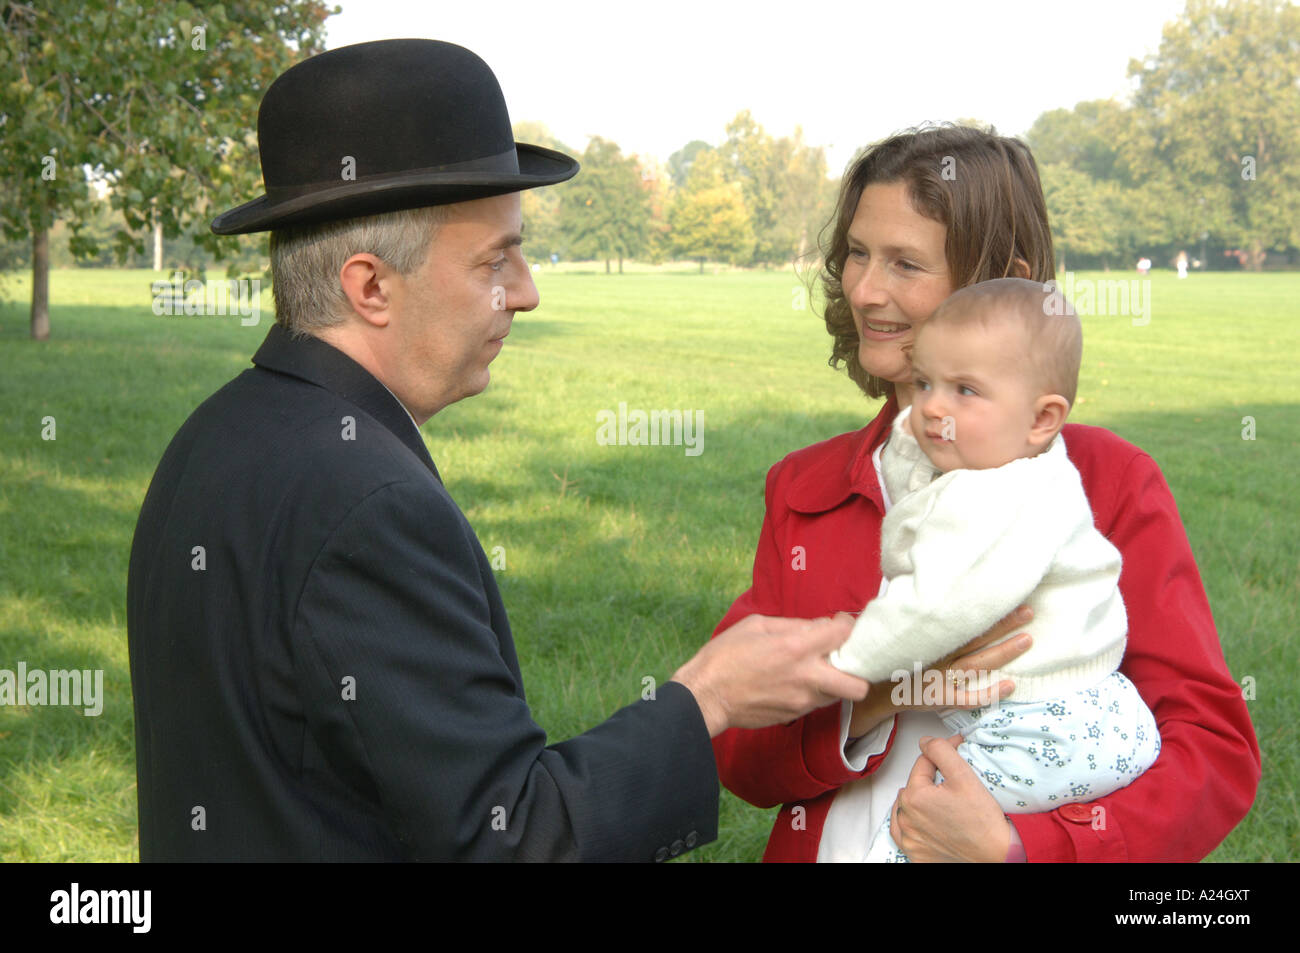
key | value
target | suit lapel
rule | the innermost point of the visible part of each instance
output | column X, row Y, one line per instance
column 311, row 359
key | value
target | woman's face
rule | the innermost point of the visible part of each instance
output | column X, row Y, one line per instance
column 895, row 275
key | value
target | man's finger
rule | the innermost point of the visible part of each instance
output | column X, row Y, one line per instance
column 833, row 683
column 827, row 635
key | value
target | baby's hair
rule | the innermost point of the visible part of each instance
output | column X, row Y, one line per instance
column 1053, row 335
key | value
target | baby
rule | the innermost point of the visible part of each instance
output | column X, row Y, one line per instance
column 985, row 513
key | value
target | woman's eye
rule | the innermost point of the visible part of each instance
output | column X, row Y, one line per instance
column 908, row 266
column 922, row 384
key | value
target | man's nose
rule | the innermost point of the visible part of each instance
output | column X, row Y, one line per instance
column 524, row 296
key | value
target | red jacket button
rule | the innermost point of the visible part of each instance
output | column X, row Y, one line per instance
column 1078, row 813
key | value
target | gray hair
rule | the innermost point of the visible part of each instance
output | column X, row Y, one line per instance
column 306, row 260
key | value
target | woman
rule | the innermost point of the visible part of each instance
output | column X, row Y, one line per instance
column 919, row 215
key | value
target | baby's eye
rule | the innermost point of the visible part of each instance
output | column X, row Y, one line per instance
column 966, row 391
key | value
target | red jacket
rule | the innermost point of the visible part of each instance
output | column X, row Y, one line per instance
column 819, row 553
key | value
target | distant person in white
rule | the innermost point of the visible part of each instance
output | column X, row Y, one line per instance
column 987, row 514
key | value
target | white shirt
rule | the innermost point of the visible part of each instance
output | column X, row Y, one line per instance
column 861, row 806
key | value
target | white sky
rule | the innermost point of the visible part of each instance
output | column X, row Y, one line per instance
column 652, row 76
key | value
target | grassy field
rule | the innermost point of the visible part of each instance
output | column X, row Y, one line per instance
column 619, row 560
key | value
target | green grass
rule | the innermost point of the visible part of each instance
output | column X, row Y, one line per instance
column 619, row 560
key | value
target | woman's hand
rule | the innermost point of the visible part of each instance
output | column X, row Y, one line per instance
column 953, row 672
column 957, row 820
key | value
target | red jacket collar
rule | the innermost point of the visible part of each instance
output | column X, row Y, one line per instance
column 834, row 470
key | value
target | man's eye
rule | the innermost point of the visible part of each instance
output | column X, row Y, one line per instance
column 498, row 264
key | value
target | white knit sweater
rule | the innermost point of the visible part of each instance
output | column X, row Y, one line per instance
column 960, row 550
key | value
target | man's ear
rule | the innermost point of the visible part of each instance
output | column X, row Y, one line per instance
column 1050, row 412
column 367, row 286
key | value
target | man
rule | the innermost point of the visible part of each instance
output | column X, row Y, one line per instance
column 321, row 663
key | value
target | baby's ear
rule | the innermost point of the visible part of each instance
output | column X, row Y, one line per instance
column 1050, row 412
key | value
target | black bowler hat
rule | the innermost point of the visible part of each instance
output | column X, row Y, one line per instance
column 383, row 126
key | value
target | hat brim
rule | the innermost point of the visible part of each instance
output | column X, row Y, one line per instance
column 391, row 193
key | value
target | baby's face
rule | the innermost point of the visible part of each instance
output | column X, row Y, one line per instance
column 973, row 401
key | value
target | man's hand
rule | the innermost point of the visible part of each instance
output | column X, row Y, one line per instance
column 957, row 820
column 768, row 671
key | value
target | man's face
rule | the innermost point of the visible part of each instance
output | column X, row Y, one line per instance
column 451, row 315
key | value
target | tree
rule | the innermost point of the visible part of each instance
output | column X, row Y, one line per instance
column 157, row 100
column 1217, row 121
column 605, row 213
column 1082, row 212
column 1085, row 138
column 808, row 199
column 679, row 163
column 657, row 183
column 784, row 184
column 708, row 217
column 712, row 223
column 541, row 207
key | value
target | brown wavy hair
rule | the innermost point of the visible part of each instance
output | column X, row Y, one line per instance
column 982, row 187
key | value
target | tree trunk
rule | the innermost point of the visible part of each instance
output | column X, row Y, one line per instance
column 620, row 264
column 41, row 285
column 157, row 245
column 1257, row 255
column 607, row 266
column 701, row 266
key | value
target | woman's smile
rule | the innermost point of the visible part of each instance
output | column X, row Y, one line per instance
column 882, row 330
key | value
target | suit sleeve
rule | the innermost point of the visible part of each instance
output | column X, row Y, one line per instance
column 1205, row 778
column 782, row 763
column 413, row 698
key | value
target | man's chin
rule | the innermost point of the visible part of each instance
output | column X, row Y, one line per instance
column 478, row 385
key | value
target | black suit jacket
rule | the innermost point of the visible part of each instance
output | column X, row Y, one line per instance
column 332, row 675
